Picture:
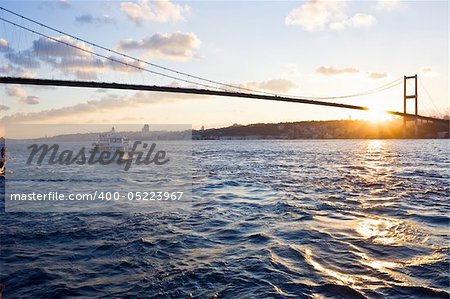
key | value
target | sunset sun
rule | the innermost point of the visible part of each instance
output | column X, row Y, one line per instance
column 377, row 115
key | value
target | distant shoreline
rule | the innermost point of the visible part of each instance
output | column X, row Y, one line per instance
column 303, row 130
column 318, row 130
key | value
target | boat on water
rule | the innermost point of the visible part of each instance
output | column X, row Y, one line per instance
column 113, row 141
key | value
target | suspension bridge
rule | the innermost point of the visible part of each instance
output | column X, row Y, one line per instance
column 202, row 85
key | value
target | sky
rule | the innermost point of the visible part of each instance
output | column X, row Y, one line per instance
column 310, row 48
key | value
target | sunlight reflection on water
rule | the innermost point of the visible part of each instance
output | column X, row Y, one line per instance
column 390, row 232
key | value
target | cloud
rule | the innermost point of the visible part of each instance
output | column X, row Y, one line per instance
column 86, row 18
column 108, row 103
column 16, row 91
column 357, row 21
column 25, row 59
column 331, row 71
column 4, row 108
column 274, row 85
column 88, row 68
column 376, row 75
column 78, row 60
column 30, row 100
column 327, row 14
column 56, row 4
column 11, row 70
column 57, row 47
column 161, row 11
column 26, row 74
column 24, row 98
column 316, row 14
column 4, row 46
column 178, row 45
column 64, row 3
column 7, row 69
column 387, row 5
column 339, row 26
column 91, row 19
column 362, row 20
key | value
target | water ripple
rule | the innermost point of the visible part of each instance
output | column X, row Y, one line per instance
column 270, row 219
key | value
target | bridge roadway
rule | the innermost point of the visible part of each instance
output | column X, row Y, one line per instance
column 106, row 85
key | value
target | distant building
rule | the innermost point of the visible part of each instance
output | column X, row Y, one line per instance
column 145, row 132
column 145, row 129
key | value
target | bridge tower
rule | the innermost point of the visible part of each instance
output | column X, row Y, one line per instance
column 405, row 98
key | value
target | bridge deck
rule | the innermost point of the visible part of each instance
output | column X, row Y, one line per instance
column 106, row 85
